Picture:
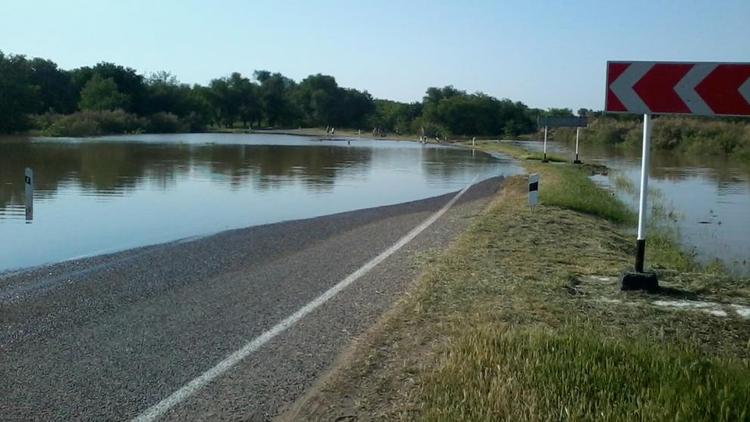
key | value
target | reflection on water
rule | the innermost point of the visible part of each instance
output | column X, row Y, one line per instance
column 111, row 193
column 710, row 194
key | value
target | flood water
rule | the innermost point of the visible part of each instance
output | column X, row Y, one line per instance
column 99, row 195
column 710, row 197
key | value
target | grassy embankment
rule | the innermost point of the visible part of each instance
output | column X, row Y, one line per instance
column 522, row 319
column 684, row 135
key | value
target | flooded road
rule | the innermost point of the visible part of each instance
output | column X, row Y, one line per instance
column 709, row 196
column 99, row 195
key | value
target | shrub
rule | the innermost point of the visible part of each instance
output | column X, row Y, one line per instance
column 165, row 123
column 89, row 123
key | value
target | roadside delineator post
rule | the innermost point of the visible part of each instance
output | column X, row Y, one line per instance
column 28, row 179
column 578, row 134
column 533, row 190
column 544, row 158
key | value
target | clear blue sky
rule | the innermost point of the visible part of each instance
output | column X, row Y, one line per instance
column 544, row 53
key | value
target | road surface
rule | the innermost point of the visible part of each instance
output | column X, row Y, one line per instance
column 205, row 329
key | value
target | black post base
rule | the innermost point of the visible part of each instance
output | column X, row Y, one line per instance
column 639, row 281
column 544, row 158
column 577, row 162
column 640, row 254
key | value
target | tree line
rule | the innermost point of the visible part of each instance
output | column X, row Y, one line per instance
column 35, row 94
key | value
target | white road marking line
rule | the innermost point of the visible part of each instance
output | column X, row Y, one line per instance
column 155, row 411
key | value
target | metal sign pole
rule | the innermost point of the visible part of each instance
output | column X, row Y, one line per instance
column 639, row 279
column 642, row 205
column 544, row 159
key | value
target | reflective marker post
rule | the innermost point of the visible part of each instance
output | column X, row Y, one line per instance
column 544, row 159
column 28, row 179
column 533, row 190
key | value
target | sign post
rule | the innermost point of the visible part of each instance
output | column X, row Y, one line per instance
column 642, row 204
column 698, row 88
column 568, row 121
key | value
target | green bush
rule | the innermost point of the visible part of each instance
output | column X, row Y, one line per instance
column 165, row 123
column 89, row 123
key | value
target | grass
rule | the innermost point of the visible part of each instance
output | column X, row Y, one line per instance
column 563, row 375
column 522, row 319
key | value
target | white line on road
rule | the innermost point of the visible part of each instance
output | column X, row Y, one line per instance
column 155, row 411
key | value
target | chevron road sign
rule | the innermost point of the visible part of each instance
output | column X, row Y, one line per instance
column 703, row 88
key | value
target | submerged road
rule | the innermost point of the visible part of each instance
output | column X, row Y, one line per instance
column 231, row 326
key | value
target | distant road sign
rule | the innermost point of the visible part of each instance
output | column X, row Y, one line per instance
column 702, row 88
column 564, row 122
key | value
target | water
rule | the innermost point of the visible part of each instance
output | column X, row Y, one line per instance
column 106, row 194
column 711, row 197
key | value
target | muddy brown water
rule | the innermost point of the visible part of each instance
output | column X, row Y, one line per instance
column 99, row 195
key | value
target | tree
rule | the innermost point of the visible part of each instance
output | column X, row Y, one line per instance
column 275, row 97
column 56, row 92
column 18, row 96
column 559, row 112
column 247, row 96
column 102, row 94
column 127, row 80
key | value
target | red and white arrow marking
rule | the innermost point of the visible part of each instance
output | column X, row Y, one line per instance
column 678, row 88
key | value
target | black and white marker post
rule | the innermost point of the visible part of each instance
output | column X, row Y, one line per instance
column 28, row 179
column 544, row 158
column 641, row 280
column 533, row 190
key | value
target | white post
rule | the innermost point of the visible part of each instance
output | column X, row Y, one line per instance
column 473, row 141
column 642, row 211
column 29, row 185
column 544, row 159
column 578, row 134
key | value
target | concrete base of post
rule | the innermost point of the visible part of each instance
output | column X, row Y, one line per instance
column 632, row 280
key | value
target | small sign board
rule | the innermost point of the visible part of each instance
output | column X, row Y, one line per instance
column 533, row 189
column 563, row 121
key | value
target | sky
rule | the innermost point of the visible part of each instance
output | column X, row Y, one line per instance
column 544, row 53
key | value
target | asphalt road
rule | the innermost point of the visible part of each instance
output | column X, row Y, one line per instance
column 107, row 338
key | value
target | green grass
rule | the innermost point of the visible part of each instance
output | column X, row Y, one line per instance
column 494, row 373
column 570, row 187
